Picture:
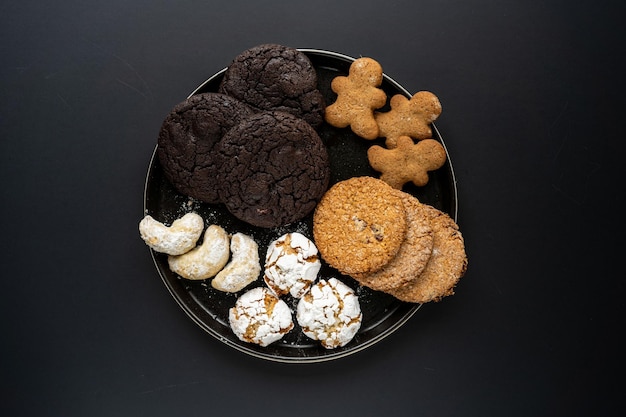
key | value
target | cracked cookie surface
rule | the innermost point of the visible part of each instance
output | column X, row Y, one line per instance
column 273, row 169
column 188, row 136
column 291, row 265
column 276, row 77
column 330, row 312
column 260, row 317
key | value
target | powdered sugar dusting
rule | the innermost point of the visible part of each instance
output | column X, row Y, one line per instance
column 330, row 313
column 291, row 265
column 260, row 317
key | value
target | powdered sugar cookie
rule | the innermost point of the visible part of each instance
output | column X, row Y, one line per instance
column 205, row 260
column 330, row 312
column 291, row 265
column 244, row 266
column 260, row 317
column 180, row 237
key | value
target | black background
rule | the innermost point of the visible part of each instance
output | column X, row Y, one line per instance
column 533, row 99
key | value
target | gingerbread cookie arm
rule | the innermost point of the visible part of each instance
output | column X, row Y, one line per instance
column 337, row 114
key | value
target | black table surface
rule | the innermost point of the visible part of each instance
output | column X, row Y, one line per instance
column 533, row 98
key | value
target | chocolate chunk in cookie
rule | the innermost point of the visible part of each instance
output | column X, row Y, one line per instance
column 276, row 77
column 273, row 169
column 188, row 136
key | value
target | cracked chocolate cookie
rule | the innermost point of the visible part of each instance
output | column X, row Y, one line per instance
column 273, row 169
column 188, row 137
column 276, row 77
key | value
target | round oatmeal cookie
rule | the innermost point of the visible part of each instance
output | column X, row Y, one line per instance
column 276, row 77
column 413, row 254
column 447, row 263
column 359, row 225
column 188, row 136
column 273, row 169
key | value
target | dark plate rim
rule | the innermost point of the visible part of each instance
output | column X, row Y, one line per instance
column 411, row 309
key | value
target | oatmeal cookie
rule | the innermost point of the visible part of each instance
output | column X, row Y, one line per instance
column 359, row 225
column 447, row 263
column 414, row 252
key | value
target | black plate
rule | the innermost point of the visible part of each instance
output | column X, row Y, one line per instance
column 382, row 314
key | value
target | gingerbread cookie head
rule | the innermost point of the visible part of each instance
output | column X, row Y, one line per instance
column 409, row 117
column 358, row 95
column 408, row 161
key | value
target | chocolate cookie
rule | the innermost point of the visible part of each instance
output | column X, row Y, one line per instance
column 187, row 138
column 273, row 169
column 276, row 77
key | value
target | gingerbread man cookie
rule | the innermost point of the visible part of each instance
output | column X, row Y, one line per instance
column 408, row 117
column 408, row 161
column 358, row 95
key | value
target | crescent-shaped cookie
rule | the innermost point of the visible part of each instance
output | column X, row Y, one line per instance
column 180, row 237
column 205, row 260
